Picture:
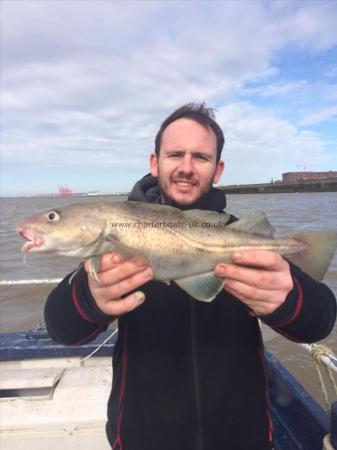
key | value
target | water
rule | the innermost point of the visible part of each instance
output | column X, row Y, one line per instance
column 22, row 306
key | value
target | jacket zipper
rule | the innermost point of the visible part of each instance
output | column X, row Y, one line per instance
column 196, row 377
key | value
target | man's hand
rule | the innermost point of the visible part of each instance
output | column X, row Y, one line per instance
column 117, row 279
column 260, row 279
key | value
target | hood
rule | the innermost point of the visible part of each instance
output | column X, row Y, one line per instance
column 147, row 190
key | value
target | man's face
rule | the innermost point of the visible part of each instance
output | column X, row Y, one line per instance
column 186, row 167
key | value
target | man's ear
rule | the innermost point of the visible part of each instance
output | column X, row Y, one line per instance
column 154, row 165
column 218, row 171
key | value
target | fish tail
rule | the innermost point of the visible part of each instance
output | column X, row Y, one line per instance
column 320, row 247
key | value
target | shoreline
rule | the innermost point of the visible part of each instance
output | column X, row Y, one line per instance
column 280, row 188
column 259, row 188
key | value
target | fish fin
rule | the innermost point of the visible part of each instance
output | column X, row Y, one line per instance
column 155, row 207
column 206, row 216
column 256, row 223
column 202, row 287
column 320, row 248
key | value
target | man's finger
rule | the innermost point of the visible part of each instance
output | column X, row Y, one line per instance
column 259, row 258
column 117, row 290
column 247, row 292
column 106, row 262
column 260, row 301
column 125, row 305
column 120, row 272
column 252, row 277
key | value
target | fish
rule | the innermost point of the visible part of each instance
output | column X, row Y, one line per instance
column 180, row 246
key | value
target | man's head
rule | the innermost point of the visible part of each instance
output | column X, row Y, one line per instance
column 201, row 114
column 187, row 154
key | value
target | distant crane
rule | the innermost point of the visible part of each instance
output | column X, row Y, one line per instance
column 64, row 190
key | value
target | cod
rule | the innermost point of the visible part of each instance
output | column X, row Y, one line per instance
column 180, row 246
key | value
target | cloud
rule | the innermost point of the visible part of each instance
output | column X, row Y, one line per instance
column 331, row 71
column 86, row 84
column 278, row 88
column 260, row 146
column 323, row 115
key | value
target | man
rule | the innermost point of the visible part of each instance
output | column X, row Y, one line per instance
column 189, row 375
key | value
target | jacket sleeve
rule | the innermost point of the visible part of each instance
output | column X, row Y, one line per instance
column 71, row 314
column 308, row 313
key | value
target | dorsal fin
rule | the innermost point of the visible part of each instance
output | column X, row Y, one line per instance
column 257, row 223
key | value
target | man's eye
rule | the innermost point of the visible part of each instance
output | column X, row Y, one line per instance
column 202, row 157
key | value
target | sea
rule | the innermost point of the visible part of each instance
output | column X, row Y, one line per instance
column 21, row 306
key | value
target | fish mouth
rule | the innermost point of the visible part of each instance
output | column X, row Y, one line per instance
column 34, row 240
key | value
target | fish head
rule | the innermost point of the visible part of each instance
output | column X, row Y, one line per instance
column 70, row 231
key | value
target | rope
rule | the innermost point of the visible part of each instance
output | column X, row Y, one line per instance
column 100, row 346
column 323, row 356
column 24, row 282
column 327, row 443
column 327, row 356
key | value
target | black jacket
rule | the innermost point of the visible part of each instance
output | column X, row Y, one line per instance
column 189, row 375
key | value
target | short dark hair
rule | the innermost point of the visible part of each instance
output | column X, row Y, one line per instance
column 201, row 114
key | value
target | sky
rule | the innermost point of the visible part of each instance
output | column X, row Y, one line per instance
column 86, row 84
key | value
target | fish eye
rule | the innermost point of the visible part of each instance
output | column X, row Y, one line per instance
column 53, row 216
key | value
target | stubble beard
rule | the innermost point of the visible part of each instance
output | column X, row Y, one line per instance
column 168, row 200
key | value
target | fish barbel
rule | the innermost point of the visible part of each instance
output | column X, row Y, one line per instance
column 180, row 246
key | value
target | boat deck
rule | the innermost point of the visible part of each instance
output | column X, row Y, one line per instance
column 299, row 421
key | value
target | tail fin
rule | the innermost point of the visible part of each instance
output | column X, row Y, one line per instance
column 316, row 259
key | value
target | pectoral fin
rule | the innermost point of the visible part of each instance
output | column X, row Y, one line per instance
column 202, row 287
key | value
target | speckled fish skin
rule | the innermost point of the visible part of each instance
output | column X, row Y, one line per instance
column 177, row 244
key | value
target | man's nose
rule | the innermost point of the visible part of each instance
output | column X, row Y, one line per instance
column 186, row 165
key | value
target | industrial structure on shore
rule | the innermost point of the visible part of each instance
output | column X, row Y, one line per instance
column 302, row 177
column 291, row 182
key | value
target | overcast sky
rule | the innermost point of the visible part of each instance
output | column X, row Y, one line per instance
column 86, row 84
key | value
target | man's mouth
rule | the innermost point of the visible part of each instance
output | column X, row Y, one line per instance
column 185, row 183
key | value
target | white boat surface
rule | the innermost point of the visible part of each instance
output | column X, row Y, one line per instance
column 54, row 404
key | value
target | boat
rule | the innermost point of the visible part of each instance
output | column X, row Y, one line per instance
column 54, row 397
